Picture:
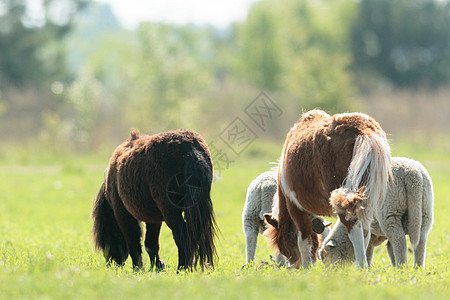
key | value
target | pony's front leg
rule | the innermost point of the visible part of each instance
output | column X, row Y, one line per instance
column 131, row 230
column 304, row 226
column 356, row 235
column 305, row 247
column 305, row 244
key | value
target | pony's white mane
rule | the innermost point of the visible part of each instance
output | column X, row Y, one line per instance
column 370, row 167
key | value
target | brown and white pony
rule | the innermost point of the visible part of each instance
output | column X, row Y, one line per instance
column 163, row 177
column 329, row 165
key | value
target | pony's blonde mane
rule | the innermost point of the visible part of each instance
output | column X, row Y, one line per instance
column 367, row 177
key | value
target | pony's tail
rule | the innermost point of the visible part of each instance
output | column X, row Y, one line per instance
column 365, row 186
column 106, row 233
column 201, row 227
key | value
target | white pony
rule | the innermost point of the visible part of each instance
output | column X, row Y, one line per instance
column 407, row 209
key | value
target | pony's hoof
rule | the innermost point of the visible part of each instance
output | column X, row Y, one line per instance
column 137, row 268
column 160, row 265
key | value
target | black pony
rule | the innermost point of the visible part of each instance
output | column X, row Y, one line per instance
column 163, row 177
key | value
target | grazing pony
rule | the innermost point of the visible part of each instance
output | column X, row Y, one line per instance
column 260, row 199
column 330, row 165
column 162, row 177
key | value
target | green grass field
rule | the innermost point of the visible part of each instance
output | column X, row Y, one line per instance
column 46, row 250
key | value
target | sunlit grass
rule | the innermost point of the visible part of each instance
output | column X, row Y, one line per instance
column 46, row 249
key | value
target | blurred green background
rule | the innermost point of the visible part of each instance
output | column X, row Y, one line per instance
column 75, row 80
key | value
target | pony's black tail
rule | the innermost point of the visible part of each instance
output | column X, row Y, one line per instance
column 199, row 215
column 107, row 235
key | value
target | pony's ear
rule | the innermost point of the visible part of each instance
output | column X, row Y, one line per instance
column 270, row 220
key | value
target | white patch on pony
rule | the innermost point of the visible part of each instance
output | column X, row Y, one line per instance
column 305, row 248
column 287, row 191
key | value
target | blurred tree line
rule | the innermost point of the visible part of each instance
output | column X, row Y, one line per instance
column 73, row 77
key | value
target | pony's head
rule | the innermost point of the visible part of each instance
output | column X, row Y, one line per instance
column 283, row 240
column 350, row 204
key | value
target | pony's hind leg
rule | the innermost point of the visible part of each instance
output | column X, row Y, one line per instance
column 152, row 245
column 176, row 223
column 131, row 230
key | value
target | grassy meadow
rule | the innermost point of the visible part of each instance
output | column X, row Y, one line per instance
column 46, row 250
